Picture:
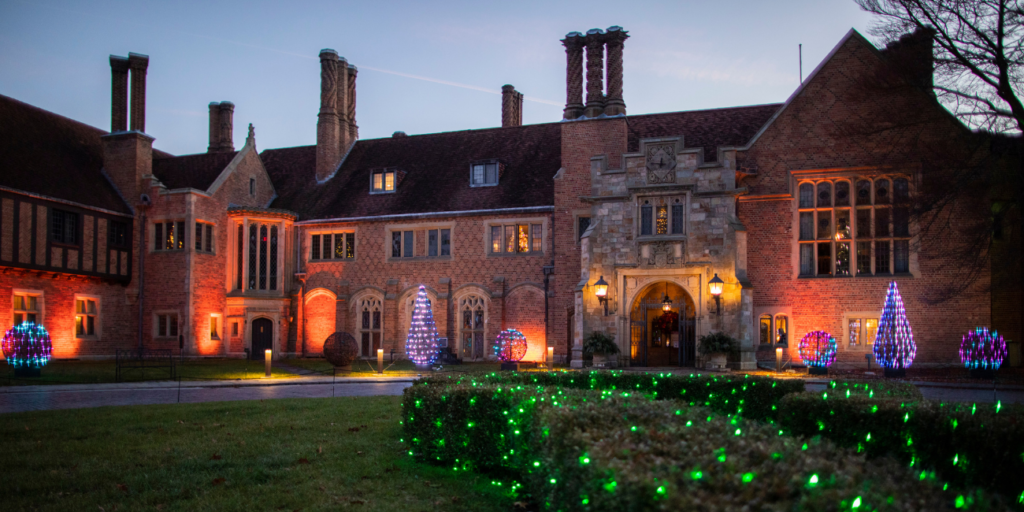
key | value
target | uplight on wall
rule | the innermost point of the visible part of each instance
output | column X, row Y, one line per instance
column 715, row 286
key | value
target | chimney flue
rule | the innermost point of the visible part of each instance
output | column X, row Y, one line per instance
column 342, row 106
column 614, row 40
column 119, row 94
column 327, row 138
column 511, row 107
column 227, row 125
column 214, row 128
column 138, row 64
column 353, row 128
column 595, row 73
column 573, row 43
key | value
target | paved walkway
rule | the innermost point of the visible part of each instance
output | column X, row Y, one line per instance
column 38, row 398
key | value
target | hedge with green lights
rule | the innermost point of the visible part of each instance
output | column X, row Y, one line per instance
column 965, row 444
column 590, row 450
column 751, row 397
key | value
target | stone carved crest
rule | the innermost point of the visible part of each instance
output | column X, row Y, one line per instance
column 659, row 254
column 661, row 163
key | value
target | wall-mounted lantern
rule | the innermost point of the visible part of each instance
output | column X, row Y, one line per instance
column 715, row 286
column 666, row 303
column 601, row 290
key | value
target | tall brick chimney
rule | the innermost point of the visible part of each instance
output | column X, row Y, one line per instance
column 353, row 128
column 328, row 149
column 138, row 64
column 595, row 73
column 119, row 94
column 614, row 39
column 214, row 128
column 342, row 106
column 573, row 43
column 511, row 106
column 221, row 127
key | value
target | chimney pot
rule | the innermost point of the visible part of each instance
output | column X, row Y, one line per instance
column 227, row 126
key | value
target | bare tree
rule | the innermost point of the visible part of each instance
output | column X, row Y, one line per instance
column 978, row 58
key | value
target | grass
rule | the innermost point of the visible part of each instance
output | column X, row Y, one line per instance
column 368, row 368
column 295, row 454
column 93, row 372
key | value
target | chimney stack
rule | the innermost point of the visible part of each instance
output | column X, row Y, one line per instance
column 598, row 103
column 353, row 128
column 511, row 106
column 119, row 94
column 138, row 64
column 221, row 127
column 343, row 107
column 328, row 151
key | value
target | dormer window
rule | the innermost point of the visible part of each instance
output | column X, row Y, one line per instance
column 483, row 174
column 382, row 181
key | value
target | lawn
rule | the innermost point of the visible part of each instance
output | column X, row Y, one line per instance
column 368, row 368
column 93, row 372
column 296, row 454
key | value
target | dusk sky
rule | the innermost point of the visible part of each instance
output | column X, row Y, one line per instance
column 423, row 66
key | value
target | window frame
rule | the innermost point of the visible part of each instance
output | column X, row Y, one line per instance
column 75, row 231
column 857, row 234
column 844, row 339
column 112, row 237
column 319, row 253
column 216, row 333
column 773, row 329
column 40, row 310
column 384, row 174
column 515, row 224
column 647, row 216
column 207, row 238
column 156, row 324
column 178, row 226
column 486, row 175
column 471, row 302
column 97, row 316
column 420, row 239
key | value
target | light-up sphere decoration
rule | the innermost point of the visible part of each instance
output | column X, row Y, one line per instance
column 894, row 341
column 982, row 349
column 27, row 346
column 818, row 349
column 421, row 345
column 510, row 346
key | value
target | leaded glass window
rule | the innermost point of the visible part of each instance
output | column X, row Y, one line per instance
column 263, row 257
column 253, row 256
column 273, row 258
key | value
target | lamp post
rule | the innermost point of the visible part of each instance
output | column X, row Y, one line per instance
column 266, row 357
column 601, row 290
column 380, row 361
column 715, row 287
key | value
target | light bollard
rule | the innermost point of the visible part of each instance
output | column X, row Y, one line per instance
column 267, row 354
column 778, row 360
column 380, row 361
column 551, row 357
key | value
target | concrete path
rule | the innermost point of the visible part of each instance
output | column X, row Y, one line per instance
column 39, row 398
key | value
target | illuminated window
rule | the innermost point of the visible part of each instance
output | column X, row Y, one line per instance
column 662, row 216
column 773, row 330
column 484, row 174
column 765, row 329
column 27, row 308
column 383, row 181
column 169, row 236
column 87, row 311
column 860, row 331
column 214, row 327
column 518, row 238
column 854, row 227
column 332, row 246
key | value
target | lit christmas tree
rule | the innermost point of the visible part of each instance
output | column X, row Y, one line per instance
column 421, row 345
column 894, row 341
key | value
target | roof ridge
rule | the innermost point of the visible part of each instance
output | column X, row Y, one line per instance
column 43, row 110
column 760, row 105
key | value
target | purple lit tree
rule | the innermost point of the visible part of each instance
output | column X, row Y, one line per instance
column 894, row 341
column 421, row 344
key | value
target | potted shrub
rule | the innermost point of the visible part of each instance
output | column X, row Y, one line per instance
column 715, row 348
column 601, row 345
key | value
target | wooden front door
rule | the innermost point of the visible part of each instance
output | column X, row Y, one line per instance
column 262, row 337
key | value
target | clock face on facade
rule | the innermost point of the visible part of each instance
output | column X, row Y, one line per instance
column 661, row 163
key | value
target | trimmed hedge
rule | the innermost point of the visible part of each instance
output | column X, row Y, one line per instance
column 751, row 397
column 590, row 450
column 875, row 389
column 966, row 444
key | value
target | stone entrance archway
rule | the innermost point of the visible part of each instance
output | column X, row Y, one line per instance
column 662, row 333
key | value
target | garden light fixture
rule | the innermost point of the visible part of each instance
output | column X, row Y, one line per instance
column 266, row 357
column 715, row 286
column 601, row 290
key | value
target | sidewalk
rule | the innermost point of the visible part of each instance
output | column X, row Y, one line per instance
column 193, row 384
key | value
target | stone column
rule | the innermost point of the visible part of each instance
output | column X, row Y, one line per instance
column 119, row 94
column 595, row 73
column 138, row 64
column 614, row 42
column 573, row 43
column 327, row 151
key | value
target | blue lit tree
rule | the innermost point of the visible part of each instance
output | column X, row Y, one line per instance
column 421, row 344
column 894, row 341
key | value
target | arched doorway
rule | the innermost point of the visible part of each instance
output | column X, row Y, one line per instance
column 662, row 333
column 262, row 337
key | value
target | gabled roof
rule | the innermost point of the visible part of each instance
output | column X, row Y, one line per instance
column 50, row 155
column 436, row 176
column 197, row 171
column 709, row 129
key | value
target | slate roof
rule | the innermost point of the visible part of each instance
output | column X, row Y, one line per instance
column 709, row 129
column 51, row 155
column 436, row 178
column 191, row 171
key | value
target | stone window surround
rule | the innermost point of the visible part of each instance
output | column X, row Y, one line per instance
column 309, row 233
column 98, row 334
column 212, row 233
column 851, row 174
column 485, row 162
column 151, row 241
column 356, row 311
column 842, row 339
column 774, row 311
column 458, row 296
column 40, row 303
column 419, row 227
column 383, row 177
column 576, row 214
column 685, row 197
column 156, row 313
column 282, row 248
column 220, row 326
column 543, row 221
